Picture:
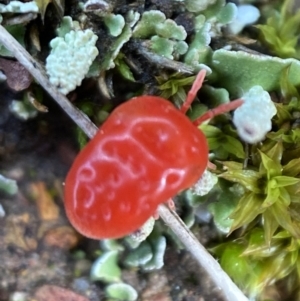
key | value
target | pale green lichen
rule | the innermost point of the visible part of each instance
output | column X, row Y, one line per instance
column 139, row 256
column 19, row 7
column 67, row 25
column 223, row 207
column 170, row 30
column 257, row 69
column 180, row 48
column 8, row 185
column 216, row 96
column 208, row 24
column 227, row 14
column 124, row 37
column 105, row 268
column 199, row 51
column 121, row 291
column 111, row 245
column 166, row 37
column 114, row 23
column 70, row 59
column 159, row 245
column 218, row 15
column 146, row 27
column 162, row 46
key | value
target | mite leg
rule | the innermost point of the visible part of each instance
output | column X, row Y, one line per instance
column 193, row 92
column 221, row 109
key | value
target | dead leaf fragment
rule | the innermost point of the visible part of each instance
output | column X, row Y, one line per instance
column 18, row 78
column 63, row 237
column 36, row 104
column 15, row 232
column 42, row 5
column 55, row 293
column 47, row 208
column 34, row 37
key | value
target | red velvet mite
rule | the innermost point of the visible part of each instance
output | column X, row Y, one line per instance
column 144, row 154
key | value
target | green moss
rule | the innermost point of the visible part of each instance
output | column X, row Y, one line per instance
column 282, row 30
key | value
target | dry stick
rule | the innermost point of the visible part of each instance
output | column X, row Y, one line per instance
column 212, row 267
column 221, row 279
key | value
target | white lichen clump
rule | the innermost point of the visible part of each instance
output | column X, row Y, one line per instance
column 247, row 14
column 70, row 59
column 205, row 183
column 253, row 118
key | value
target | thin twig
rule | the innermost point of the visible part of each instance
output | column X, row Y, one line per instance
column 221, row 279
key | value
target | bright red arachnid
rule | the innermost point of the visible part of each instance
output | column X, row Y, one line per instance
column 145, row 153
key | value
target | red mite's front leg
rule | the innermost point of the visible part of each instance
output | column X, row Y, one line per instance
column 193, row 92
column 171, row 206
column 221, row 109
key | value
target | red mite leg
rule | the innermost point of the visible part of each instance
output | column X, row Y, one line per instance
column 171, row 205
column 193, row 92
column 211, row 165
column 221, row 109
column 156, row 215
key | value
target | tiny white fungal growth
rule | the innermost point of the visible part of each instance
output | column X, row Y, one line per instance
column 22, row 110
column 205, row 183
column 71, row 58
column 3, row 77
column 142, row 233
column 253, row 118
column 96, row 5
column 246, row 15
column 19, row 7
column 2, row 212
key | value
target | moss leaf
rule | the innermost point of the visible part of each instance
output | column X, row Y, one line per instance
column 247, row 178
column 233, row 146
column 292, row 168
column 249, row 207
column 282, row 216
column 270, row 166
